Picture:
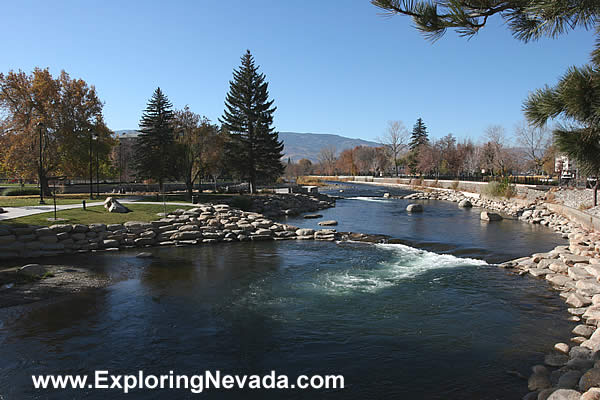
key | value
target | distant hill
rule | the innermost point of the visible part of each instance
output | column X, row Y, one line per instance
column 299, row 145
column 307, row 145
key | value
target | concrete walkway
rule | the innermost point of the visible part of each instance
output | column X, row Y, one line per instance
column 17, row 212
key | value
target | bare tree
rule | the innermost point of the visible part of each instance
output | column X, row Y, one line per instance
column 535, row 142
column 327, row 159
column 395, row 140
column 497, row 143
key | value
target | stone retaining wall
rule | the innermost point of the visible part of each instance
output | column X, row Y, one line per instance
column 200, row 225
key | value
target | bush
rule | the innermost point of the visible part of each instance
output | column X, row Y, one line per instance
column 454, row 185
column 24, row 191
column 242, row 202
column 500, row 189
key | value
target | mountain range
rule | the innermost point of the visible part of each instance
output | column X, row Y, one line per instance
column 300, row 145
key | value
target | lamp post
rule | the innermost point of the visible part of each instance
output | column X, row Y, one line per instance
column 120, row 164
column 40, row 126
column 91, row 171
column 97, row 165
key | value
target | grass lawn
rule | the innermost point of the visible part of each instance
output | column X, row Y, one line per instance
column 97, row 214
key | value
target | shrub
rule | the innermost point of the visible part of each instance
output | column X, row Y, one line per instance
column 309, row 180
column 24, row 191
column 500, row 189
column 242, row 202
column 454, row 185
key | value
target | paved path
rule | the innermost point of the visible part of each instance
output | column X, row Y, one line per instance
column 16, row 212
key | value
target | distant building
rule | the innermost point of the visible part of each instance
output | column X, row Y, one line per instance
column 122, row 155
column 565, row 167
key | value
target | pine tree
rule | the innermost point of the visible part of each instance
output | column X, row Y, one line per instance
column 575, row 101
column 155, row 145
column 419, row 135
column 254, row 150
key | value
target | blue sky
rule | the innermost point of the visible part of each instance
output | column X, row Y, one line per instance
column 334, row 67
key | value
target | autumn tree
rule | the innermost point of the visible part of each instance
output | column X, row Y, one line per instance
column 346, row 162
column 66, row 111
column 154, row 155
column 395, row 141
column 194, row 135
column 327, row 159
column 254, row 148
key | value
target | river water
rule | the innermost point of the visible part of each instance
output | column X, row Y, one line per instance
column 432, row 320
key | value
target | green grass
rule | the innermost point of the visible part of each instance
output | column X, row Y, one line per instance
column 97, row 214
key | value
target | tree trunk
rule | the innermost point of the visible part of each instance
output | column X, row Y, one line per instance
column 190, row 189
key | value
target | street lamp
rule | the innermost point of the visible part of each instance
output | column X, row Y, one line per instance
column 97, row 140
column 120, row 165
column 40, row 126
column 93, row 137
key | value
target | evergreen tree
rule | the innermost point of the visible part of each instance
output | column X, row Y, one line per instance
column 254, row 150
column 575, row 100
column 154, row 148
column 419, row 135
column 526, row 19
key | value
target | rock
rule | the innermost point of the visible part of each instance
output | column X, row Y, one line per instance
column 562, row 348
column 465, row 204
column 572, row 259
column 313, row 216
column 577, row 300
column 114, row 206
column 328, row 223
column 580, row 364
column 558, row 280
column 2, row 210
column 559, row 266
column 556, row 360
column 538, row 381
column 386, row 195
column 583, row 330
column 591, row 394
column 33, row 270
column 414, row 208
column 111, row 243
column 305, row 232
column 489, row 216
column 590, row 379
column 569, row 380
column 589, row 285
column 565, row 394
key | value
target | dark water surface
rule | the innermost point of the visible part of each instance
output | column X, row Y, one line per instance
column 397, row 322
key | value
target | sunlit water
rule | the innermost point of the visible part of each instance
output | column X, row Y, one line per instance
column 398, row 322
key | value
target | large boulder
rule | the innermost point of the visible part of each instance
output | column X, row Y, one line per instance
column 590, row 379
column 328, row 223
column 465, row 203
column 33, row 270
column 565, row 394
column 414, row 208
column 489, row 216
column 2, row 210
column 113, row 206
